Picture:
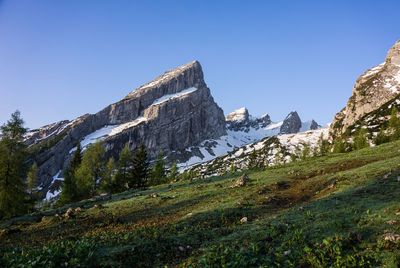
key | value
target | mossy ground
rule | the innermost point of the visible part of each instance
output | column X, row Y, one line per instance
column 327, row 211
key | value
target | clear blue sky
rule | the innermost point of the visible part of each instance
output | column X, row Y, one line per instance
column 62, row 59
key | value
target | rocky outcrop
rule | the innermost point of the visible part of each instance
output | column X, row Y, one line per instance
column 171, row 113
column 291, row 124
column 240, row 120
column 314, row 125
column 373, row 88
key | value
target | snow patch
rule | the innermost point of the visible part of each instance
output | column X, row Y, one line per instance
column 169, row 97
column 122, row 127
column 50, row 195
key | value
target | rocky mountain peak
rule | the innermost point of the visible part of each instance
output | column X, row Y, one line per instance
column 239, row 115
column 186, row 76
column 241, row 120
column 393, row 55
column 291, row 124
column 314, row 125
column 373, row 88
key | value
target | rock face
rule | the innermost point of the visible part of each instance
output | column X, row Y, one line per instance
column 171, row 113
column 291, row 124
column 373, row 88
column 314, row 125
column 240, row 120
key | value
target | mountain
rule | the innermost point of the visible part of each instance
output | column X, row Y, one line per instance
column 373, row 89
column 171, row 113
column 244, row 129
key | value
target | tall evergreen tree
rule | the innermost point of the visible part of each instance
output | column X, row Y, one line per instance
column 32, row 181
column 339, row 146
column 252, row 160
column 13, row 157
column 124, row 170
column 174, row 173
column 91, row 171
column 394, row 124
column 69, row 188
column 361, row 140
column 158, row 175
column 140, row 169
column 109, row 180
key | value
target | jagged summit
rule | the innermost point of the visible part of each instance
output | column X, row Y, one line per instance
column 239, row 115
column 393, row 56
column 186, row 76
column 291, row 124
column 373, row 88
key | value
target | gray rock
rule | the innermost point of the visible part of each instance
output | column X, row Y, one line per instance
column 240, row 120
column 171, row 125
column 373, row 88
column 291, row 124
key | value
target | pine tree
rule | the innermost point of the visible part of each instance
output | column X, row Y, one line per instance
column 76, row 157
column 32, row 181
column 323, row 147
column 140, row 169
column 13, row 157
column 109, row 181
column 381, row 137
column 158, row 175
column 394, row 124
column 69, row 190
column 174, row 172
column 361, row 141
column 124, row 170
column 252, row 160
column 339, row 146
column 232, row 168
column 91, row 171
column 305, row 153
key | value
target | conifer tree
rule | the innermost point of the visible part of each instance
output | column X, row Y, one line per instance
column 91, row 171
column 252, row 160
column 339, row 146
column 124, row 170
column 232, row 168
column 69, row 192
column 305, row 153
column 109, row 181
column 174, row 172
column 394, row 124
column 361, row 141
column 32, row 181
column 140, row 169
column 158, row 172
column 13, row 157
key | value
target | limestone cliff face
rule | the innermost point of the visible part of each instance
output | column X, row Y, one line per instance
column 291, row 124
column 373, row 88
column 240, row 120
column 171, row 113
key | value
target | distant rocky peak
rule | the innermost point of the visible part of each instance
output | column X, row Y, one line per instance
column 239, row 115
column 241, row 120
column 291, row 124
column 393, row 56
column 173, row 81
column 372, row 89
column 314, row 125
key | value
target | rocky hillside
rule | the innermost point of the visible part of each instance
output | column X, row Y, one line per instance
column 171, row 113
column 244, row 129
column 373, row 89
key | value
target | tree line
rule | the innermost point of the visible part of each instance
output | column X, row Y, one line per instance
column 89, row 172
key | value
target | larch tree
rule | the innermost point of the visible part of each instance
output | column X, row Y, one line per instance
column 91, row 171
column 13, row 157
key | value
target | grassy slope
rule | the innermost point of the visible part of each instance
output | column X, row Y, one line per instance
column 318, row 212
